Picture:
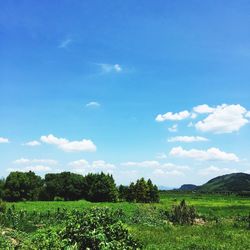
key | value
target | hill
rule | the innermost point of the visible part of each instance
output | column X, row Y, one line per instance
column 237, row 182
column 188, row 187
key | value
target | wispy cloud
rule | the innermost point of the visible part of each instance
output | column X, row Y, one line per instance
column 65, row 43
column 70, row 146
column 93, row 104
column 24, row 161
column 36, row 168
column 173, row 129
column 187, row 139
column 212, row 170
column 4, row 140
column 173, row 116
column 110, row 68
column 212, row 154
column 32, row 143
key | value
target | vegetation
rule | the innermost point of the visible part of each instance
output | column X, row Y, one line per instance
column 142, row 217
column 237, row 182
column 45, row 224
column 142, row 191
column 66, row 186
column 183, row 214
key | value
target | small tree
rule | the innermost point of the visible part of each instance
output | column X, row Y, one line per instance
column 2, row 188
column 100, row 187
column 22, row 186
column 182, row 214
column 143, row 191
column 153, row 192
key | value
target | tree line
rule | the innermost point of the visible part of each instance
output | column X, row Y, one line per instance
column 98, row 187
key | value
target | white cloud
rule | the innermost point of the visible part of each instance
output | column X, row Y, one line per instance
column 100, row 164
column 224, row 119
column 109, row 68
column 160, row 173
column 194, row 115
column 212, row 154
column 203, row 109
column 35, row 168
column 65, row 43
column 173, row 116
column 32, row 161
column 93, row 104
column 215, row 171
column 146, row 164
column 161, row 156
column 32, row 143
column 83, row 166
column 155, row 164
column 248, row 114
column 4, row 140
column 69, row 146
column 173, row 129
column 187, row 139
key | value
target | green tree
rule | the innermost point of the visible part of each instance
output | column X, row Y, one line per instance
column 131, row 196
column 123, row 192
column 153, row 192
column 22, row 186
column 100, row 187
column 2, row 188
column 142, row 191
column 65, row 185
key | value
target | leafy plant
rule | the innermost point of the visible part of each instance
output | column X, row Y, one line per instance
column 98, row 228
column 183, row 214
column 3, row 206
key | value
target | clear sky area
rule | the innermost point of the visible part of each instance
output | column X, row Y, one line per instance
column 154, row 89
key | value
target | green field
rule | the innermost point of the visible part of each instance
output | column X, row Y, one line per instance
column 223, row 224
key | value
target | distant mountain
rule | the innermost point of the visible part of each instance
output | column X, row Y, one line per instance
column 237, row 182
column 165, row 188
column 188, row 187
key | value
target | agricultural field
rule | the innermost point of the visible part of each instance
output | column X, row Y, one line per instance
column 221, row 222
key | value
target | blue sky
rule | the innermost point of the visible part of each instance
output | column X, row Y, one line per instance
column 117, row 86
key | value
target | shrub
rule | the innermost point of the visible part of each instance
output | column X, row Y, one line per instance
column 100, row 188
column 142, row 191
column 58, row 198
column 182, row 214
column 46, row 239
column 98, row 228
column 3, row 207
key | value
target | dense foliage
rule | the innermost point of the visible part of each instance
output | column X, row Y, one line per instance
column 22, row 186
column 230, row 183
column 183, row 214
column 142, row 191
column 66, row 186
column 99, row 187
column 42, row 225
column 98, row 229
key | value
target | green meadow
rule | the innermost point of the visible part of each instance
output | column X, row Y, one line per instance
column 223, row 221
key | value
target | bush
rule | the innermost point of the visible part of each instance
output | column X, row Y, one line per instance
column 182, row 214
column 3, row 207
column 46, row 239
column 58, row 198
column 98, row 228
column 142, row 192
column 100, row 188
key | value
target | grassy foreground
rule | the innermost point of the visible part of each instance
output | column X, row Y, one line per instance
column 222, row 224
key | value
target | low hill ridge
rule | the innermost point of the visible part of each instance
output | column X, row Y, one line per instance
column 236, row 182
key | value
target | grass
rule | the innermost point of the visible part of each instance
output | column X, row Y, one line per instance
column 220, row 231
column 205, row 204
